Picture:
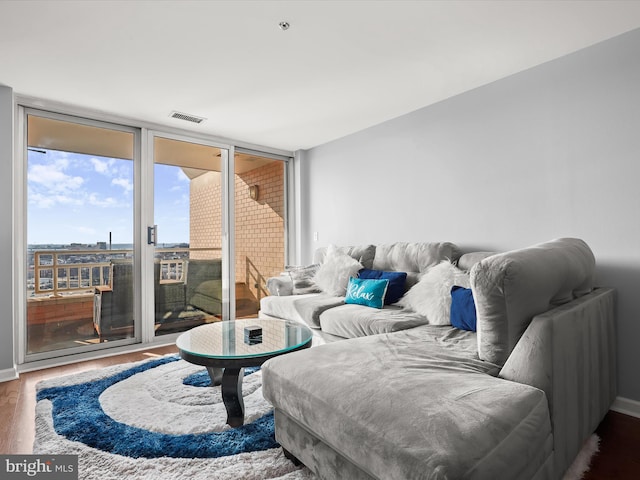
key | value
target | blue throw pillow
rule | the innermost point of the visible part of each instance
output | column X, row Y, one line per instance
column 397, row 281
column 463, row 309
column 368, row 292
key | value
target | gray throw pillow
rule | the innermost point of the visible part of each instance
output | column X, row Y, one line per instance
column 302, row 278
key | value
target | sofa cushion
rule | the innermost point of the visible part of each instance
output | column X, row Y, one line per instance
column 413, row 258
column 207, row 296
column 397, row 283
column 299, row 308
column 511, row 288
column 405, row 406
column 349, row 321
column 210, row 288
column 369, row 292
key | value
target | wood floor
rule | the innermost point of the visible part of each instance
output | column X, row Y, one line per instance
column 618, row 458
column 18, row 398
column 619, row 455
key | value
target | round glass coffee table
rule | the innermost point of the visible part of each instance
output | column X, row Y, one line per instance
column 225, row 348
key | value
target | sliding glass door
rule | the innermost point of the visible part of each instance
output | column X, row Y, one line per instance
column 80, row 234
column 187, row 231
column 192, row 202
column 125, row 244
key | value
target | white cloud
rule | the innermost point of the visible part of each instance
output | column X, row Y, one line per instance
column 94, row 200
column 181, row 200
column 50, row 200
column 125, row 183
column 67, row 200
column 53, row 178
column 102, row 166
column 42, row 201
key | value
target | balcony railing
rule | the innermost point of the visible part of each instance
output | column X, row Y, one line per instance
column 57, row 272
column 69, row 271
column 254, row 278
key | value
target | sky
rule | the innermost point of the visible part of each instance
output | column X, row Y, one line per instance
column 77, row 198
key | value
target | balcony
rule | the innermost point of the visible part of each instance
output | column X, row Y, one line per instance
column 80, row 297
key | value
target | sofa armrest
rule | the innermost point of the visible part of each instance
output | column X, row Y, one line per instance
column 280, row 286
column 511, row 288
column 569, row 353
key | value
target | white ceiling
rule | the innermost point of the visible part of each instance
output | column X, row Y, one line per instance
column 342, row 65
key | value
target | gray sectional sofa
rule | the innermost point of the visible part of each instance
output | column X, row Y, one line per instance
column 398, row 397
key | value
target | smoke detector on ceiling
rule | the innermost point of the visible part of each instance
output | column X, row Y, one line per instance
column 186, row 117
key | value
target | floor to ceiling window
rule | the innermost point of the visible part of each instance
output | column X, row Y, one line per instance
column 188, row 199
column 99, row 214
column 79, row 231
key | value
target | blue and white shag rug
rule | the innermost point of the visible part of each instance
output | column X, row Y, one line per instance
column 158, row 419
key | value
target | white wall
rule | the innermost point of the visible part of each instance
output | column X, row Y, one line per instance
column 6, row 233
column 551, row 152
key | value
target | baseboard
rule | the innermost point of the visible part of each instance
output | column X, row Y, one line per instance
column 626, row 406
column 8, row 374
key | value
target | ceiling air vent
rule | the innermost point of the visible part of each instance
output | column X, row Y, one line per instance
column 187, row 117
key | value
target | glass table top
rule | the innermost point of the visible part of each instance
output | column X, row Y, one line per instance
column 245, row 338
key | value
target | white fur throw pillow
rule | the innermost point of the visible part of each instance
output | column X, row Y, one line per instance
column 333, row 275
column 431, row 296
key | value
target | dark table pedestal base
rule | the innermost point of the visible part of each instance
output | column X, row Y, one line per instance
column 231, row 381
column 215, row 374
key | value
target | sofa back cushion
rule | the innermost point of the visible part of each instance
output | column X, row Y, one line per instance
column 362, row 253
column 413, row 258
column 468, row 260
column 511, row 288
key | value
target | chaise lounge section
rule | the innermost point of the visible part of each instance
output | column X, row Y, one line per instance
column 515, row 400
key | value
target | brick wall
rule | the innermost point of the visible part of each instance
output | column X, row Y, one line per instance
column 205, row 226
column 260, row 223
column 259, row 228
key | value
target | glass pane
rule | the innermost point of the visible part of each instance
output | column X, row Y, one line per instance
column 187, row 212
column 79, row 226
column 259, row 228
